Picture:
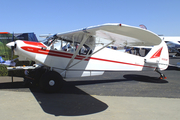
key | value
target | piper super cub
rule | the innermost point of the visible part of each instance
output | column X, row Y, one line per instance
column 85, row 52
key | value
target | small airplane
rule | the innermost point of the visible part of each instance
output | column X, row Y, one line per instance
column 173, row 43
column 7, row 62
column 85, row 52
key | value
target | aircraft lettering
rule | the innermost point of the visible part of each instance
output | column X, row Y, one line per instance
column 164, row 59
column 30, row 49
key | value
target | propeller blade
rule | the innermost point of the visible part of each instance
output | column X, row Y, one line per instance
column 13, row 37
column 12, row 47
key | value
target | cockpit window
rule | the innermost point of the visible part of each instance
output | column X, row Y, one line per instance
column 138, row 51
column 66, row 46
column 48, row 41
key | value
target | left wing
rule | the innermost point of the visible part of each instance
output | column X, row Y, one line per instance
column 120, row 34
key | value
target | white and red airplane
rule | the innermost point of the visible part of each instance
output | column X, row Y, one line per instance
column 84, row 52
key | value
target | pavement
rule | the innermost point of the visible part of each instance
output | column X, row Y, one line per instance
column 115, row 95
column 24, row 105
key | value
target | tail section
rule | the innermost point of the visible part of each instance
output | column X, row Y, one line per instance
column 159, row 55
column 164, row 57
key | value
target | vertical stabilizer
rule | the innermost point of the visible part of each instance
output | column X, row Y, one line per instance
column 159, row 55
column 164, row 57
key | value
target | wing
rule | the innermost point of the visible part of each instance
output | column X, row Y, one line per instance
column 120, row 34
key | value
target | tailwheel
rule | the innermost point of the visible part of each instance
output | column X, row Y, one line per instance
column 162, row 76
column 51, row 82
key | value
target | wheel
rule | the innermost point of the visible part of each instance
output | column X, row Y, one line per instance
column 35, row 76
column 51, row 82
column 162, row 76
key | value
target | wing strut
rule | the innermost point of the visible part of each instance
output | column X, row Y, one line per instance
column 85, row 37
column 91, row 54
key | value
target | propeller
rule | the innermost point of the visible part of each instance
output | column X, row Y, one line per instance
column 12, row 47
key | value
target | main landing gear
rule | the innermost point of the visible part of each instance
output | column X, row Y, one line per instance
column 162, row 76
column 51, row 82
column 48, row 81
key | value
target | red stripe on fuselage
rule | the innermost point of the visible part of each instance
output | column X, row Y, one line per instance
column 52, row 53
column 93, row 58
column 34, row 43
column 69, row 55
column 115, row 61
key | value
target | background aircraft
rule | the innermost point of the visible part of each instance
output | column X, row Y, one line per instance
column 173, row 43
column 7, row 62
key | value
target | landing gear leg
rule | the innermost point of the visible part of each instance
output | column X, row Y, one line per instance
column 162, row 76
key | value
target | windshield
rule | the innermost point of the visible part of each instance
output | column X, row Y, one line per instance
column 48, row 41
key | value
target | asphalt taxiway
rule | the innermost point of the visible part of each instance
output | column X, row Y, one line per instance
column 115, row 95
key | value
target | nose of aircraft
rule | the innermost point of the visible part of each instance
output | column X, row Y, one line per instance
column 10, row 45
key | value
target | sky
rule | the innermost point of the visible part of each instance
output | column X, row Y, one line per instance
column 57, row 16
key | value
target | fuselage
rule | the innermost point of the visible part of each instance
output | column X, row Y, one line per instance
column 83, row 65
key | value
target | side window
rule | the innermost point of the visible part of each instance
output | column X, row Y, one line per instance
column 138, row 51
column 68, row 46
column 56, row 45
column 85, row 50
column 61, row 45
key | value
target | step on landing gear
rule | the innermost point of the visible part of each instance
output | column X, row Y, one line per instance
column 162, row 76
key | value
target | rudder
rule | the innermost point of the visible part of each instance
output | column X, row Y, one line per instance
column 159, row 54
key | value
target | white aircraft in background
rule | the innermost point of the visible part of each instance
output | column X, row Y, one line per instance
column 84, row 53
column 173, row 43
column 7, row 62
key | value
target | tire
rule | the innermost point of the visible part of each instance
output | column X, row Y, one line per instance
column 36, row 75
column 51, row 82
